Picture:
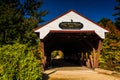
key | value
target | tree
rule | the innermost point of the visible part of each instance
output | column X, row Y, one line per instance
column 19, row 59
column 9, row 22
column 109, row 25
column 31, row 9
column 17, row 20
column 110, row 57
column 117, row 14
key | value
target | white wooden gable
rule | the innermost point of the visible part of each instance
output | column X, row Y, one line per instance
column 76, row 17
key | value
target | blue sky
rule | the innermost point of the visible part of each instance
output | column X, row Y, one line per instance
column 92, row 9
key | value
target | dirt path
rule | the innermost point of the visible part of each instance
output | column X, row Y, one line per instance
column 76, row 73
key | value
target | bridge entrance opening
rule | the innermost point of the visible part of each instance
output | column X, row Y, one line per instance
column 75, row 46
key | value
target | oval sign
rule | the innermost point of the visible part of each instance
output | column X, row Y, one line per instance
column 71, row 25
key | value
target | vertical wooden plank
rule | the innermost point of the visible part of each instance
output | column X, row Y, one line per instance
column 42, row 47
column 97, row 54
column 43, row 56
column 95, row 58
column 99, row 46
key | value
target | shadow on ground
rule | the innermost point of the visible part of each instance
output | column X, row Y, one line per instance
column 46, row 75
column 60, row 64
column 63, row 63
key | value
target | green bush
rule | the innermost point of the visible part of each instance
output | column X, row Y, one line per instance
column 17, row 62
column 110, row 55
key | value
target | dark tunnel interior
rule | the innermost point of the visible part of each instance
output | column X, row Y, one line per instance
column 76, row 47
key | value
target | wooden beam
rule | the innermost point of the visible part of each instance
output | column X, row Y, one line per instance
column 99, row 46
column 97, row 54
column 43, row 58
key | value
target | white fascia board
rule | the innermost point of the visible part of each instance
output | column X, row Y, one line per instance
column 87, row 25
column 100, row 34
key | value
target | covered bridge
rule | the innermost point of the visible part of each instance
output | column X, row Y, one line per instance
column 71, row 33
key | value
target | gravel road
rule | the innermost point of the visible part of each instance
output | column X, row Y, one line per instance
column 76, row 73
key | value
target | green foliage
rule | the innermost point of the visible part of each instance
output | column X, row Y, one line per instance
column 18, row 62
column 17, row 21
column 117, row 14
column 56, row 53
column 110, row 55
column 31, row 8
column 9, row 23
column 111, row 47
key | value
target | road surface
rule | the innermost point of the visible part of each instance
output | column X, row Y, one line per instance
column 76, row 73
